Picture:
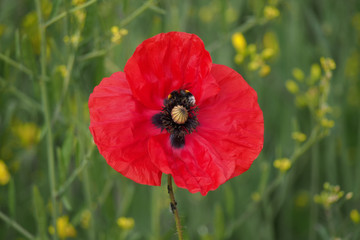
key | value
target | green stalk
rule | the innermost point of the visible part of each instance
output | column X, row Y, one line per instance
column 16, row 64
column 45, row 107
column 16, row 226
column 174, row 208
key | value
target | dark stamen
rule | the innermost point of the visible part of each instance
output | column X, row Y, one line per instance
column 178, row 117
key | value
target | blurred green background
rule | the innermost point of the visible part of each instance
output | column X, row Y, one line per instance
column 302, row 58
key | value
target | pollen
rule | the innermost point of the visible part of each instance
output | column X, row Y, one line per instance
column 179, row 114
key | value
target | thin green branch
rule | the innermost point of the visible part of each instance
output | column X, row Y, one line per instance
column 20, row 95
column 250, row 23
column 174, row 209
column 46, row 111
column 136, row 13
column 71, row 179
column 16, row 226
column 16, row 64
column 63, row 14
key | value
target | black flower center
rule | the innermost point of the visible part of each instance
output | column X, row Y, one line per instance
column 178, row 116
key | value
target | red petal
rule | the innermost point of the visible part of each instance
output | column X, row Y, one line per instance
column 232, row 121
column 121, row 128
column 167, row 62
column 196, row 167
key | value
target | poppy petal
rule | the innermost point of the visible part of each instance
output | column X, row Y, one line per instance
column 196, row 167
column 121, row 127
column 232, row 120
column 176, row 60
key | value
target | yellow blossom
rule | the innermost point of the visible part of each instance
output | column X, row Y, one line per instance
column 329, row 195
column 85, row 219
column 117, row 34
column 267, row 53
column 298, row 74
column 327, row 64
column 4, row 173
column 270, row 41
column 239, row 58
column 349, row 195
column 239, row 42
column 302, row 199
column 230, row 15
column 73, row 39
column 256, row 197
column 292, row 86
column 62, row 70
column 28, row 133
column 2, row 29
column 355, row 216
column 251, row 49
column 206, row 14
column 315, row 72
column 283, row 164
column 125, row 223
column 298, row 136
column 64, row 228
column 356, row 21
column 271, row 12
column 264, row 70
column 254, row 65
column 327, row 123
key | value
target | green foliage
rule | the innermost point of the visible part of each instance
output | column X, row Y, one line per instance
column 302, row 58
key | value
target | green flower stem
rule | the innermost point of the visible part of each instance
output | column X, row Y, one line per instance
column 71, row 179
column 136, row 13
column 46, row 111
column 16, row 226
column 63, row 14
column 16, row 64
column 174, row 208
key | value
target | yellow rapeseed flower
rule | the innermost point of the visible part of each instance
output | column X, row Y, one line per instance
column 330, row 195
column 64, row 228
column 327, row 64
column 292, row 86
column 73, row 39
column 264, row 70
column 267, row 53
column 4, row 173
column 62, row 70
column 28, row 133
column 206, row 14
column 327, row 123
column 298, row 136
column 283, row 164
column 256, row 197
column 270, row 41
column 355, row 216
column 315, row 72
column 239, row 42
column 298, row 74
column 230, row 15
column 2, row 29
column 271, row 12
column 125, row 223
column 239, row 58
column 117, row 34
column 85, row 219
column 251, row 49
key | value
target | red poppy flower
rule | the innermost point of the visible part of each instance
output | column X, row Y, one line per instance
column 173, row 111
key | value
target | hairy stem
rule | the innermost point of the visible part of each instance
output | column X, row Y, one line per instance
column 174, row 208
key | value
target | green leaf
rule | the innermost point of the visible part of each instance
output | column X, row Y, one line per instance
column 40, row 214
column 219, row 222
